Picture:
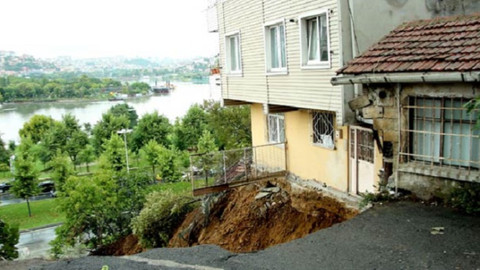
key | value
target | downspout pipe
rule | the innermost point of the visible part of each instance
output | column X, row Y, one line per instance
column 398, row 88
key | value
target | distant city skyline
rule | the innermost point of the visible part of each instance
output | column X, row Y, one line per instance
column 106, row 28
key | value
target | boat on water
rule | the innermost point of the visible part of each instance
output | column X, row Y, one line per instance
column 163, row 89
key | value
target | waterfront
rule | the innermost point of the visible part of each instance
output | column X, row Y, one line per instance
column 173, row 105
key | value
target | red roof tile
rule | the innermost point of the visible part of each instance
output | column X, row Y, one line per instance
column 440, row 44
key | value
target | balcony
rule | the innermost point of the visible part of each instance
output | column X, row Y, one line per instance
column 212, row 21
column 218, row 171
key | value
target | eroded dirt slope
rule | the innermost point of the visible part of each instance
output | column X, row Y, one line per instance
column 258, row 216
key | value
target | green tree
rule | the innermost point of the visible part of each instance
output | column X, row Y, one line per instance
column 206, row 145
column 25, row 173
column 139, row 87
column 113, row 157
column 36, row 127
column 124, row 110
column 61, row 169
column 190, row 128
column 158, row 156
column 75, row 144
column 151, row 154
column 9, row 236
column 151, row 126
column 87, row 155
column 231, row 125
column 98, row 211
column 90, row 207
column 4, row 154
column 104, row 129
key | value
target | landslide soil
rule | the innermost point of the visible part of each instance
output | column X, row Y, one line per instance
column 240, row 223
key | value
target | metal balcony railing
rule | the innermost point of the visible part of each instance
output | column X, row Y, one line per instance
column 211, row 172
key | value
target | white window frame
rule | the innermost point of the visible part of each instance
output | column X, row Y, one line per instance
column 228, row 61
column 278, row 118
column 319, row 139
column 304, row 42
column 442, row 133
column 268, row 54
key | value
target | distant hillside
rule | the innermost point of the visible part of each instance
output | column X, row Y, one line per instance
column 13, row 63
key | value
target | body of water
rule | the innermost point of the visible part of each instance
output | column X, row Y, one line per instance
column 172, row 105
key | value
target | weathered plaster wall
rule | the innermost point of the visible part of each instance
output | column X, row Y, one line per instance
column 424, row 181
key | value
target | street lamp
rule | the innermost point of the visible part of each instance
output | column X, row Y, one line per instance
column 124, row 132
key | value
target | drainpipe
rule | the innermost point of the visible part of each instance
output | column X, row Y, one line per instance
column 398, row 88
column 361, row 119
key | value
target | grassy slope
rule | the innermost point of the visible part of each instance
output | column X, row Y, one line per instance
column 43, row 212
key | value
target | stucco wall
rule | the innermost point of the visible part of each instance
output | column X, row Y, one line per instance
column 304, row 159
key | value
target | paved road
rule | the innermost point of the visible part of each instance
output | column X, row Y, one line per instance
column 7, row 198
column 34, row 244
column 391, row 236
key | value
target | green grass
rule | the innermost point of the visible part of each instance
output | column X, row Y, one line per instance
column 44, row 212
column 175, row 187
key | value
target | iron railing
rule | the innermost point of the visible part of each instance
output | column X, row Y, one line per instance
column 237, row 166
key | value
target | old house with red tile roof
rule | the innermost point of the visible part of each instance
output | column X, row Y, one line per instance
column 416, row 83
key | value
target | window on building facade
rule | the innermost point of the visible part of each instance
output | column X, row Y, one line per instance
column 275, row 48
column 442, row 132
column 323, row 124
column 233, row 54
column 315, row 39
column 276, row 128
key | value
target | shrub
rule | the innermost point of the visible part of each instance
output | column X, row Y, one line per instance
column 466, row 198
column 4, row 167
column 8, row 239
column 162, row 213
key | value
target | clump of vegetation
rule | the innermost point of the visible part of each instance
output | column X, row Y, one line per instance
column 466, row 198
column 369, row 197
column 163, row 212
column 9, row 236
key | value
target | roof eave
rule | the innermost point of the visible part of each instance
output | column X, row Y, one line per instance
column 407, row 77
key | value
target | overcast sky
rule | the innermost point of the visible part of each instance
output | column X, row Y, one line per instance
column 96, row 28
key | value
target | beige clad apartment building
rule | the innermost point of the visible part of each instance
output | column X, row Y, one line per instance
column 279, row 56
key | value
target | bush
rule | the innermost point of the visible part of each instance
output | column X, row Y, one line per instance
column 162, row 213
column 466, row 198
column 8, row 239
column 4, row 167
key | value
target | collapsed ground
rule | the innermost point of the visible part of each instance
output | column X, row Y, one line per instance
column 257, row 216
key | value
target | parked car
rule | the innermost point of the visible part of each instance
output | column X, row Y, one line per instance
column 4, row 187
column 47, row 186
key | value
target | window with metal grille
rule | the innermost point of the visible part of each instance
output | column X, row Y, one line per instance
column 442, row 132
column 276, row 128
column 323, row 128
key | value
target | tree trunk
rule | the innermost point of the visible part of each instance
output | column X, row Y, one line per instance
column 29, row 210
column 88, row 169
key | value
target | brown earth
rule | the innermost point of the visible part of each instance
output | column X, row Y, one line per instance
column 127, row 245
column 240, row 223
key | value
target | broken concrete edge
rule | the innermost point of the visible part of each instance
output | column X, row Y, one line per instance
column 351, row 201
column 41, row 227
